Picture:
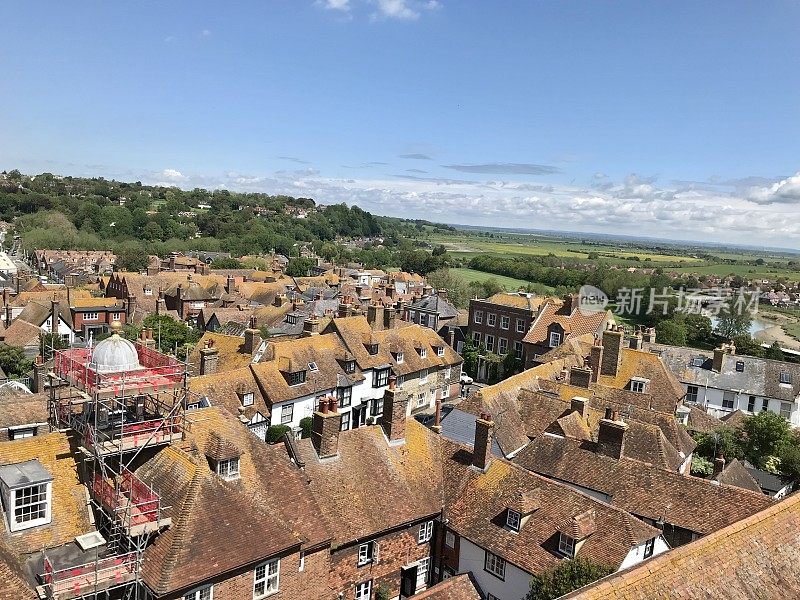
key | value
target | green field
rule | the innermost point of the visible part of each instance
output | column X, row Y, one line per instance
column 509, row 283
column 467, row 247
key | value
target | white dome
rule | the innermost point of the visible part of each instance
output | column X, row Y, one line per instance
column 115, row 354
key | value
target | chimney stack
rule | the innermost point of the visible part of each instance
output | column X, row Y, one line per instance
column 5, row 296
column 209, row 359
column 375, row 316
column 649, row 336
column 393, row 419
column 54, row 311
column 719, row 354
column 311, row 326
column 719, row 465
column 611, row 436
column 389, row 317
column 482, row 448
column 252, row 337
column 325, row 425
column 612, row 350
column 8, row 315
column 437, row 419
column 442, row 293
column 580, row 376
column 230, row 284
column 39, row 372
column 129, row 307
column 580, row 405
column 635, row 342
column 596, row 359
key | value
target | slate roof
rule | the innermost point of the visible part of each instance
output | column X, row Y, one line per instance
column 758, row 557
column 436, row 304
column 767, row 482
column 69, row 511
column 459, row 426
column 477, row 503
column 759, row 377
column 736, row 474
column 642, row 490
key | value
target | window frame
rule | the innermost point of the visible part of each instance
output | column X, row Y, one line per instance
column 788, row 411
column 649, row 546
column 423, row 376
column 423, row 574
column 740, row 366
column 22, row 517
column 554, row 335
column 638, row 385
column 494, row 565
column 502, row 346
column 477, row 317
column 785, row 378
column 344, row 424
column 296, row 378
column 376, row 407
column 566, row 545
column 764, row 404
column 450, row 539
column 692, row 393
column 248, row 398
column 425, row 532
column 489, row 343
column 513, row 520
column 491, row 319
column 360, row 590
column 380, row 377
column 476, row 338
column 518, row 349
column 229, row 468
column 368, row 554
column 266, row 578
column 195, row 594
column 520, row 325
column 751, row 404
column 290, row 406
column 728, row 399
column 345, row 395
column 505, row 319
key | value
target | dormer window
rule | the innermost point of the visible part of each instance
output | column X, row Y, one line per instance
column 399, row 358
column 148, row 291
column 372, row 349
column 350, row 366
column 786, row 377
column 566, row 545
column 27, row 495
column 639, row 385
column 513, row 520
column 228, row 468
column 439, row 350
column 296, row 378
column 555, row 339
column 247, row 398
column 423, row 352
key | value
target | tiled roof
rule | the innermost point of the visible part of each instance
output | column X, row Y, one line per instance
column 223, row 389
column 476, row 508
column 22, row 334
column 230, row 348
column 736, row 474
column 69, row 510
column 45, row 296
column 95, row 303
column 664, row 389
column 640, row 489
column 458, row 587
column 12, row 578
column 217, row 525
column 574, row 324
column 516, row 300
column 757, row 557
column 735, row 419
column 367, row 468
column 22, row 408
column 36, row 313
column 700, row 421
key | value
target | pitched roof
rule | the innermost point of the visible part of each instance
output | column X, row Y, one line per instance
column 457, row 587
column 224, row 389
column 20, row 408
column 437, row 304
column 477, row 504
column 22, row 334
column 574, row 324
column 640, row 489
column 699, row 420
column 368, row 468
column 736, row 474
column 70, row 513
column 524, row 301
column 757, row 557
column 217, row 525
column 230, row 348
column 12, row 578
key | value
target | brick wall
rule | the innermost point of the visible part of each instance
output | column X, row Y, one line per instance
column 395, row 550
column 311, row 583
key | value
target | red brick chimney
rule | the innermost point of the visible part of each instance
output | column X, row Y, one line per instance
column 393, row 419
column 719, row 465
column 252, row 337
column 209, row 358
column 596, row 359
column 612, row 350
column 325, row 425
column 482, row 448
column 611, row 436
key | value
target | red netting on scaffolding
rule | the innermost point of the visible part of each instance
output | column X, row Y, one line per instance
column 135, row 435
column 158, row 372
column 133, row 501
column 74, row 582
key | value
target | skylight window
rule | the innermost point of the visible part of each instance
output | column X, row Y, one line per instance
column 312, row 366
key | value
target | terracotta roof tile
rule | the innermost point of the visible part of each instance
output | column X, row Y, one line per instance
column 458, row 587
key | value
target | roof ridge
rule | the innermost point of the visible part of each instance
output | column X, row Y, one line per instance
column 180, row 528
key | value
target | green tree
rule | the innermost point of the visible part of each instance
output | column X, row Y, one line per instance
column 701, row 466
column 13, row 361
column 733, row 321
column 170, row 334
column 305, row 427
column 49, row 342
column 774, row 352
column 275, row 433
column 699, row 331
column 672, row 332
column 131, row 256
column 748, row 346
column 790, row 458
column 725, row 440
column 511, row 365
column 567, row 576
column 299, row 267
column 457, row 290
column 470, row 355
column 764, row 436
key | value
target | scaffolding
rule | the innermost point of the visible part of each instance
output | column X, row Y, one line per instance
column 114, row 416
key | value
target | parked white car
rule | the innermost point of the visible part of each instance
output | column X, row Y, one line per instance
column 466, row 379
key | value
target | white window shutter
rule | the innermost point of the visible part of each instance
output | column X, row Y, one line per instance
column 375, row 554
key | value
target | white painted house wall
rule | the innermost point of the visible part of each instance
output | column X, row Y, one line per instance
column 636, row 555
column 471, row 559
column 710, row 399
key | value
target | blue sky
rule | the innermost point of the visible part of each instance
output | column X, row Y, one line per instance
column 677, row 120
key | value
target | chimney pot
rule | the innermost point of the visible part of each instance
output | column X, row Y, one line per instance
column 482, row 447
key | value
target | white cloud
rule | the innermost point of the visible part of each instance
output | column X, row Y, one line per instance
column 634, row 206
column 342, row 5
column 205, row 32
column 396, row 9
column 786, row 191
